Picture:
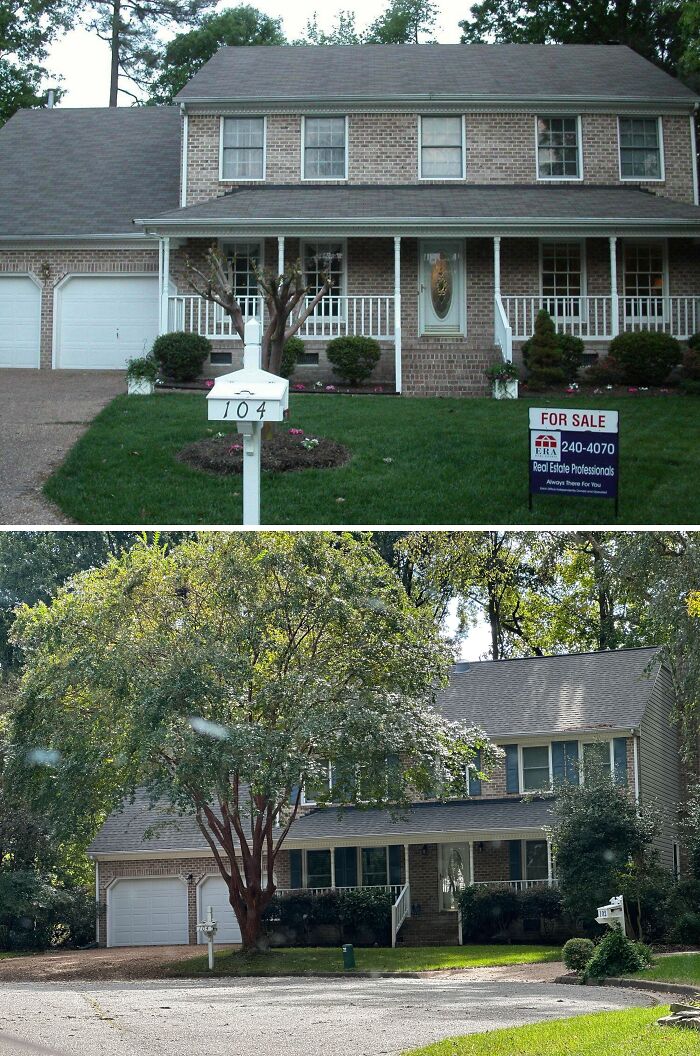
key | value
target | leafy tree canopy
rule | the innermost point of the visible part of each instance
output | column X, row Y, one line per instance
column 26, row 31
column 180, row 58
column 404, row 22
column 222, row 675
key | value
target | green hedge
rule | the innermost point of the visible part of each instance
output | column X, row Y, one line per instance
column 489, row 911
column 180, row 355
column 341, row 915
column 35, row 915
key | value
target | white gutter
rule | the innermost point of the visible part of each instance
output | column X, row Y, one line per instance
column 97, row 900
column 470, row 101
column 402, row 222
column 694, row 149
column 185, row 149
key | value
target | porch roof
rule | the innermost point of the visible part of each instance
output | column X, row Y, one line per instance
column 373, row 209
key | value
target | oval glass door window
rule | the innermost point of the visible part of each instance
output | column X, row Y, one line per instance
column 441, row 285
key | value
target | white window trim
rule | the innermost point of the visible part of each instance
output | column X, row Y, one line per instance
column 611, row 754
column 324, row 179
column 343, row 292
column 584, row 269
column 304, row 802
column 248, row 179
column 521, row 768
column 662, row 152
column 666, row 293
column 579, row 148
column 610, row 741
column 442, row 179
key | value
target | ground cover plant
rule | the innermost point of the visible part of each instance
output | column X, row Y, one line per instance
column 633, row 1032
column 414, row 461
column 298, row 961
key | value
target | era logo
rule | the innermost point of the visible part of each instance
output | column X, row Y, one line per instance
column 545, row 446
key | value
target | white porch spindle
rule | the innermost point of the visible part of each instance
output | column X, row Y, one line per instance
column 280, row 254
column 471, row 862
column 397, row 311
column 405, row 863
column 497, row 266
column 614, row 297
column 332, row 867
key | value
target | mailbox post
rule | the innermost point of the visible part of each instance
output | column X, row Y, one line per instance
column 209, row 928
column 249, row 397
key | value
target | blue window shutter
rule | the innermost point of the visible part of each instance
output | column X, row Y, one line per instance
column 475, row 782
column 295, row 872
column 515, row 860
column 565, row 762
column 346, row 866
column 620, row 760
column 512, row 777
column 395, row 864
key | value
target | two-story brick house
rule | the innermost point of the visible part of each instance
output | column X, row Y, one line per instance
column 449, row 191
column 553, row 717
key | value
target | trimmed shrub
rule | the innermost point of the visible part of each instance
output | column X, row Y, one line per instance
column 694, row 342
column 577, row 953
column 690, row 370
column 353, row 358
column 645, row 358
column 605, row 371
column 545, row 360
column 617, row 955
column 181, row 356
column 336, row 916
column 293, row 348
column 572, row 352
column 486, row 912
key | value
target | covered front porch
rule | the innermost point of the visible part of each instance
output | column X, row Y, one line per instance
column 449, row 288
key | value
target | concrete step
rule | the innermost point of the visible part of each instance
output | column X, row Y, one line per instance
column 435, row 930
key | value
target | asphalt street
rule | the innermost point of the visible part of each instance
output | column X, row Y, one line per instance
column 279, row 1017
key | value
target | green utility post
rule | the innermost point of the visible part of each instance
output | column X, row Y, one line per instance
column 348, row 955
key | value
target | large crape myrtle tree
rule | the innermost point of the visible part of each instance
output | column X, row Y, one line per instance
column 222, row 674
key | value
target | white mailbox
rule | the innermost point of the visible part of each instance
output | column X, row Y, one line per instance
column 613, row 914
column 249, row 397
column 209, row 928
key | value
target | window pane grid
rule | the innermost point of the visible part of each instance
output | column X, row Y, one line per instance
column 325, row 258
column 557, row 140
column 535, row 768
column 243, row 148
column 242, row 256
column 442, row 147
column 324, row 148
column 640, row 149
column 644, row 281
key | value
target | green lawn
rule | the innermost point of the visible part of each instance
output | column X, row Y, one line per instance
column 630, row 1033
column 679, row 968
column 298, row 961
column 415, row 461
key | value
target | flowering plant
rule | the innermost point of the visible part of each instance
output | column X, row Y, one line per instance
column 503, row 371
column 296, row 432
column 310, row 443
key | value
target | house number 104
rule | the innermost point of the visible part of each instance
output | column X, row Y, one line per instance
column 243, row 409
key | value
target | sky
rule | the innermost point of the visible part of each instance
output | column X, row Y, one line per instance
column 82, row 60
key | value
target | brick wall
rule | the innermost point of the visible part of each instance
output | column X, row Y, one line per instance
column 491, row 860
column 50, row 266
column 383, row 148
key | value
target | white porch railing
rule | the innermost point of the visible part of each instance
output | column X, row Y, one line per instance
column 591, row 318
column 517, row 885
column 400, row 910
column 393, row 889
column 504, row 331
column 365, row 316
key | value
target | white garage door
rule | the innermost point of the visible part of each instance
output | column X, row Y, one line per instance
column 104, row 320
column 20, row 321
column 214, row 892
column 148, row 912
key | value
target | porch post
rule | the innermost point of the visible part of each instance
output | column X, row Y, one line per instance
column 405, row 863
column 497, row 266
column 164, row 276
column 332, row 866
column 397, row 312
column 471, row 863
column 549, row 863
column 280, row 254
column 614, row 296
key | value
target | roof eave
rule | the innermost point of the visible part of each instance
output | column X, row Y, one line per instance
column 682, row 103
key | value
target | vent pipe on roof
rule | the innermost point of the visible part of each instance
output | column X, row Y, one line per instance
column 51, row 98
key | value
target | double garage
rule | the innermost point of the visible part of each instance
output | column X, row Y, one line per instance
column 154, row 911
column 99, row 321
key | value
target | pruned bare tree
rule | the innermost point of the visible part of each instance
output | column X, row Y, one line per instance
column 285, row 299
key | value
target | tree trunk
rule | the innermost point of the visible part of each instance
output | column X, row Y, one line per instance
column 494, row 625
column 116, row 35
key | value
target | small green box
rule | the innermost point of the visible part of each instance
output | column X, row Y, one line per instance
column 348, row 955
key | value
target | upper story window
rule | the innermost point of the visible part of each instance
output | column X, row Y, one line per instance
column 243, row 148
column 536, row 772
column 597, row 757
column 441, row 153
column 641, row 152
column 558, row 148
column 324, row 148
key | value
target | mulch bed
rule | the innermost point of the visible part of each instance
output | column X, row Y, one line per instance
column 281, row 453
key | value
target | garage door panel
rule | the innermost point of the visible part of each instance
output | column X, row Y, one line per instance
column 214, row 892
column 103, row 321
column 20, row 321
column 148, row 912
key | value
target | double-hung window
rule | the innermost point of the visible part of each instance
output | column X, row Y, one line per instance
column 324, row 148
column 597, row 758
column 243, row 148
column 317, row 785
column 558, row 148
column 536, row 860
column 641, row 154
column 325, row 260
column 644, row 284
column 441, row 148
column 536, row 773
column 562, row 279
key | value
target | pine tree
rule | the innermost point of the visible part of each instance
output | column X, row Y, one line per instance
column 545, row 361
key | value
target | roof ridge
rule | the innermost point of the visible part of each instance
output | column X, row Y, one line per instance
column 561, row 656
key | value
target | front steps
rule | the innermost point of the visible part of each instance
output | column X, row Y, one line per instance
column 447, row 368
column 439, row 929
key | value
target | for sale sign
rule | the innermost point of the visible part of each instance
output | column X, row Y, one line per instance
column 574, row 452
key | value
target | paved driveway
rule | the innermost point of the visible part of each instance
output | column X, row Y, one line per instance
column 281, row 1017
column 42, row 414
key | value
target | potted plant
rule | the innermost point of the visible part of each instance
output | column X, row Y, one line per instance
column 141, row 375
column 504, row 380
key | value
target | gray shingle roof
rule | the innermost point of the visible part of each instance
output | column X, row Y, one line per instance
column 124, row 830
column 432, row 72
column 414, row 202
column 547, row 694
column 72, row 173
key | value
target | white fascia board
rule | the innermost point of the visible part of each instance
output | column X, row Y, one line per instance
column 129, row 239
column 468, row 103
column 564, row 735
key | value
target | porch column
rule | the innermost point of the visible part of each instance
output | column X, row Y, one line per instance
column 280, row 254
column 164, row 286
column 497, row 266
column 405, row 863
column 471, row 862
column 614, row 296
column 397, row 311
column 549, row 863
column 332, row 866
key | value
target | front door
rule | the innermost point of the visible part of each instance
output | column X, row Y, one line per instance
column 443, row 293
column 454, row 872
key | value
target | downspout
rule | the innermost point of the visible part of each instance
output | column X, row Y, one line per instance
column 635, row 755
column 97, row 900
column 185, row 151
